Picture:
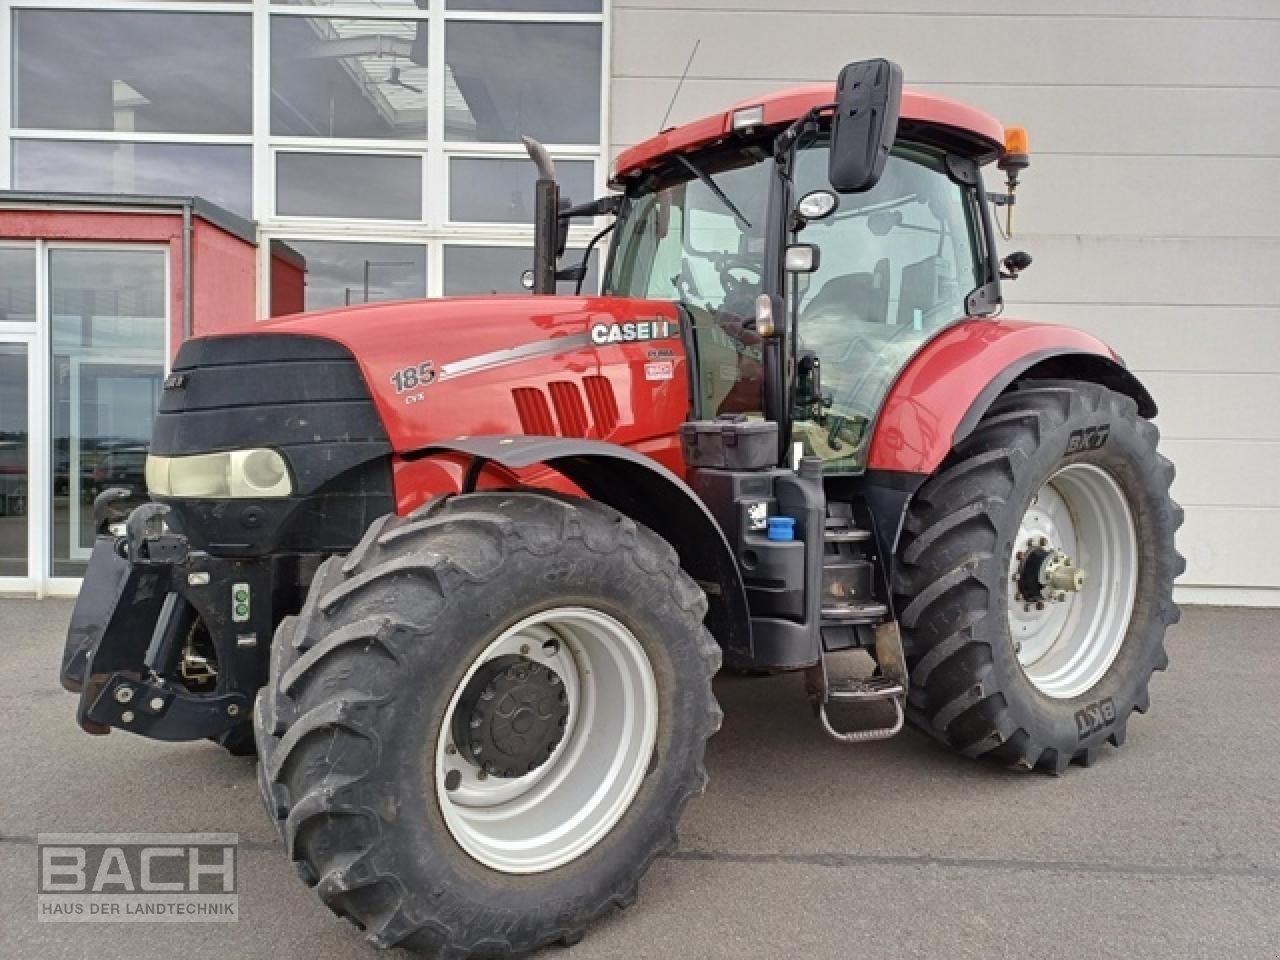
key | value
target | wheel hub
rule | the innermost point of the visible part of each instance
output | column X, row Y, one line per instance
column 511, row 716
column 1045, row 573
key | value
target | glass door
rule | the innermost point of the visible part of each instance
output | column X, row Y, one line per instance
column 107, row 318
column 15, row 463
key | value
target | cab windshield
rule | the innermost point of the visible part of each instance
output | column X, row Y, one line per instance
column 896, row 265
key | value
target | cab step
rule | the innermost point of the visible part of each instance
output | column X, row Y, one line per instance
column 888, row 685
column 845, row 614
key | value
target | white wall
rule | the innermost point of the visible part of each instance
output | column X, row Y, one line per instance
column 1152, row 206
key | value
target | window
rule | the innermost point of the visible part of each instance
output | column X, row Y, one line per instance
column 107, row 314
column 18, row 284
column 506, row 80
column 364, row 79
column 220, row 174
column 340, row 274
column 897, row 262
column 132, row 71
column 493, row 190
column 348, row 185
column 475, row 270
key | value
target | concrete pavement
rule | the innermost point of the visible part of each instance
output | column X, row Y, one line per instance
column 1169, row 847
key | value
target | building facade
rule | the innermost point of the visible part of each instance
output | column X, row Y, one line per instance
column 379, row 139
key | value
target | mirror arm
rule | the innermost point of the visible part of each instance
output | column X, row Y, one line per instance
column 606, row 206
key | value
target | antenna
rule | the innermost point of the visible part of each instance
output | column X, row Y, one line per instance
column 679, row 86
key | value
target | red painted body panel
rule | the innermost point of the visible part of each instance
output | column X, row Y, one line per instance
column 497, row 371
column 940, row 384
column 787, row 105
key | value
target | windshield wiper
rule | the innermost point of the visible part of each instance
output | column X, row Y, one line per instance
column 715, row 189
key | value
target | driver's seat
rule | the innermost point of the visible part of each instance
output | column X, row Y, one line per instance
column 859, row 296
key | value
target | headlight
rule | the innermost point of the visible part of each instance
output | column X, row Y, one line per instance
column 220, row 476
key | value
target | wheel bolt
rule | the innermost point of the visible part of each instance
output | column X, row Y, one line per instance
column 1044, row 541
column 1039, row 605
column 524, row 649
column 450, row 749
column 452, row 780
column 1020, row 557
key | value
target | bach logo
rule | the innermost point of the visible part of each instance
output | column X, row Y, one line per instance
column 138, row 877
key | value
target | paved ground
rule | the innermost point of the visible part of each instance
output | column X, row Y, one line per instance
column 1167, row 848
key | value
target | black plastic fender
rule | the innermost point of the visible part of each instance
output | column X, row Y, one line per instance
column 648, row 493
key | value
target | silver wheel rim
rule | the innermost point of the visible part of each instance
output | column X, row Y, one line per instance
column 560, row 810
column 1065, row 646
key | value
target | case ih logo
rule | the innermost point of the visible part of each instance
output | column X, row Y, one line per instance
column 604, row 333
column 138, row 877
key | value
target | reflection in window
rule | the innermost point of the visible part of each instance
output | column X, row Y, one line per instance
column 498, row 190
column 219, row 174
column 107, row 311
column 504, row 80
column 155, row 72
column 472, row 270
column 334, row 77
column 18, row 284
column 528, row 6
column 340, row 274
column 15, row 464
column 348, row 185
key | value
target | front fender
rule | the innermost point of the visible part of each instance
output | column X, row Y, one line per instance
column 647, row 492
column 943, row 392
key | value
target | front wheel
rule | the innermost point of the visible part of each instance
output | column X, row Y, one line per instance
column 484, row 723
column 1034, row 578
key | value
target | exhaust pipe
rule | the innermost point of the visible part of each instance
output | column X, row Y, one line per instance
column 546, row 218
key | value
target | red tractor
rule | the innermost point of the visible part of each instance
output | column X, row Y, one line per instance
column 464, row 569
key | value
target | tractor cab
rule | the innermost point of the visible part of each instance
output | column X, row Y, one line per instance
column 730, row 215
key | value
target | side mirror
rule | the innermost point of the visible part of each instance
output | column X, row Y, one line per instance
column 802, row 258
column 868, row 97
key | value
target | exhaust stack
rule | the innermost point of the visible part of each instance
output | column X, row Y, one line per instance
column 546, row 218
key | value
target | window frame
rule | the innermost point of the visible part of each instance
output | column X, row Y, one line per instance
column 436, row 228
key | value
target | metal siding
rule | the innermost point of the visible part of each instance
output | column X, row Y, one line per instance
column 1149, row 207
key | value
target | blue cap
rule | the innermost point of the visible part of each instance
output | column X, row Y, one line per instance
column 782, row 528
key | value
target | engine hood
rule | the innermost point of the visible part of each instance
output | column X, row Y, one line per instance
column 597, row 367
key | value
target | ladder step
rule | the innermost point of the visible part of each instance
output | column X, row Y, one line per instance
column 853, row 613
column 846, row 535
column 863, row 689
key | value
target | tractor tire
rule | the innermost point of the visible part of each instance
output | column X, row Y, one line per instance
column 452, row 651
column 1003, row 665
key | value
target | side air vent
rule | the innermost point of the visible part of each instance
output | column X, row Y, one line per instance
column 567, row 399
column 535, row 414
column 604, row 405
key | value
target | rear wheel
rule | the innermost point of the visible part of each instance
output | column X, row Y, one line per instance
column 1035, row 575
column 484, row 723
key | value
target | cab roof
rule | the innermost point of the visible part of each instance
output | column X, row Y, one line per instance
column 979, row 132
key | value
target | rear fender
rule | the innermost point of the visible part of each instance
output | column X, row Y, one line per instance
column 645, row 491
column 944, row 391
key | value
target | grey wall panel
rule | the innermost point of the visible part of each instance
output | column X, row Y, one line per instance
column 1075, row 50
column 1224, row 473
column 1076, row 120
column 1231, row 546
column 1151, row 206
column 1151, row 270
column 1192, row 338
column 936, row 9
